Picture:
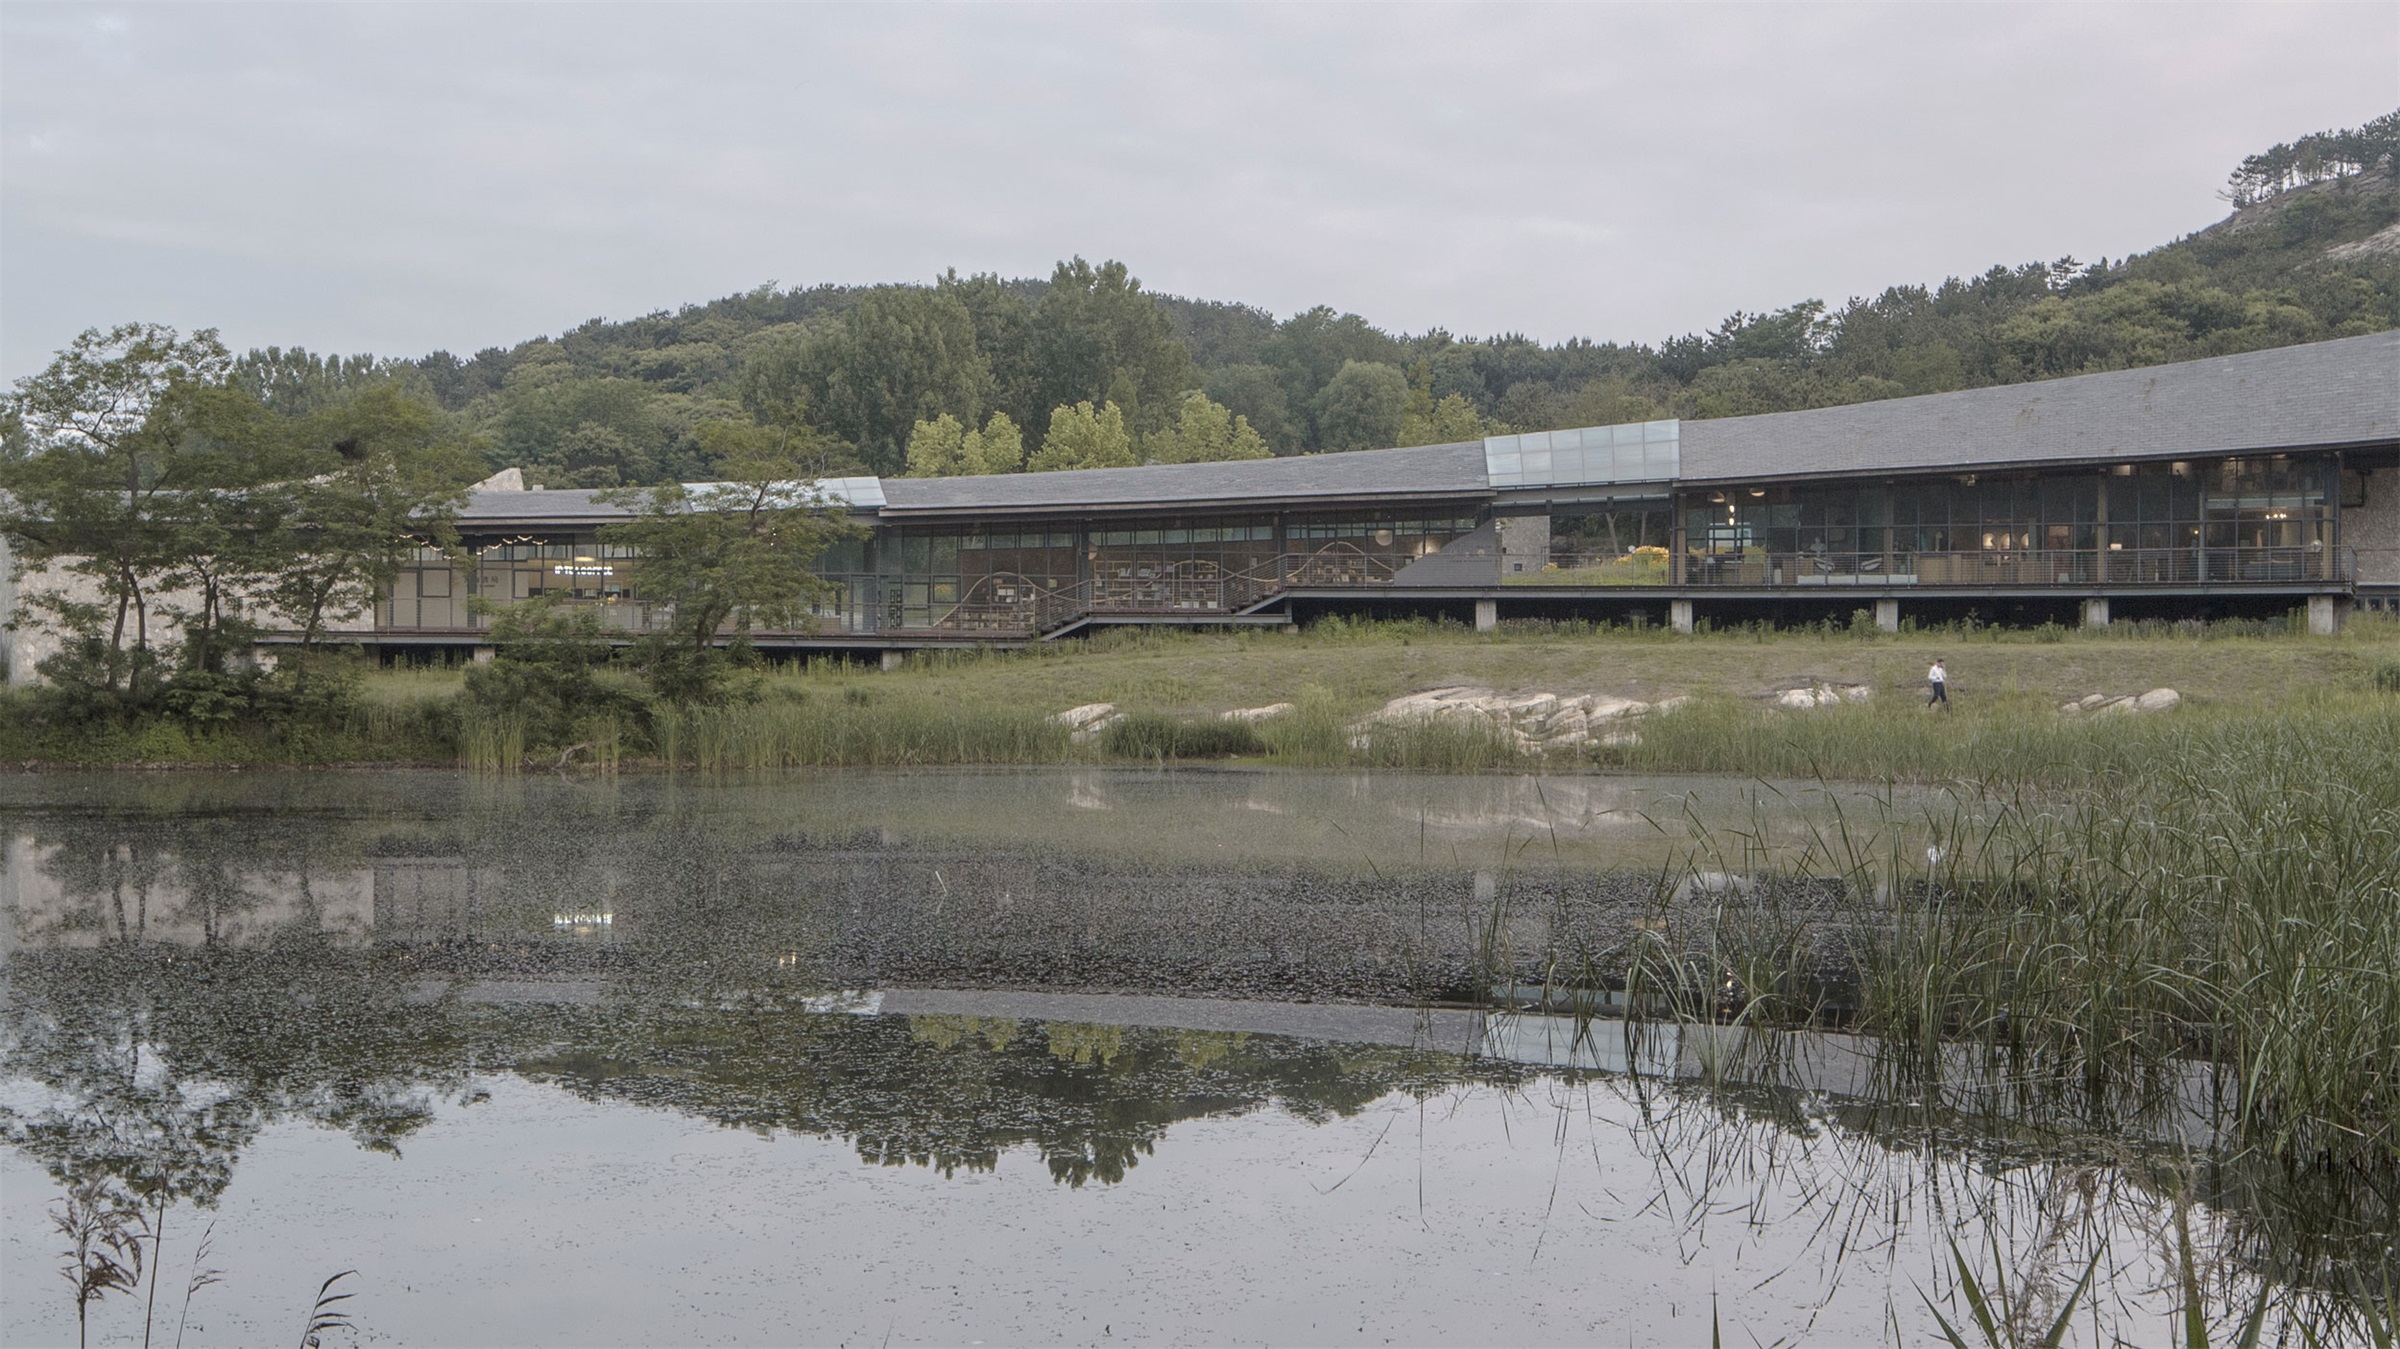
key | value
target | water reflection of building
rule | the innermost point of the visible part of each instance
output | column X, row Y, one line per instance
column 2256, row 483
column 61, row 894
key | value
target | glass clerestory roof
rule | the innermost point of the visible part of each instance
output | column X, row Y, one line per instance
column 1585, row 456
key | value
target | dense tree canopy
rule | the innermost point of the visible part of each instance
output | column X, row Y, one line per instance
column 944, row 448
column 1085, row 437
column 1205, row 431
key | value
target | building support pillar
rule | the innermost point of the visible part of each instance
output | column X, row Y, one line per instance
column 1487, row 615
column 1887, row 615
column 2326, row 613
column 2095, row 612
column 483, row 655
column 893, row 660
column 1679, row 615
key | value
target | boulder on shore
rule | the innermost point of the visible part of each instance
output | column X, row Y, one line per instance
column 1821, row 693
column 1089, row 720
column 2108, row 704
column 1537, row 722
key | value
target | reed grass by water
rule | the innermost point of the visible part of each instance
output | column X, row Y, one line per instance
column 2225, row 892
column 828, row 732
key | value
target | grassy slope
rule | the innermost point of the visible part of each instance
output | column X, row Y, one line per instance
column 993, row 706
column 1189, row 674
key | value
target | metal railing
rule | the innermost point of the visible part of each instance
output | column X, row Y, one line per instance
column 2013, row 568
column 1188, row 588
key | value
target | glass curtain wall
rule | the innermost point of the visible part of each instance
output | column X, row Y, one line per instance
column 1364, row 549
column 2265, row 518
column 986, row 580
column 430, row 592
column 1181, row 566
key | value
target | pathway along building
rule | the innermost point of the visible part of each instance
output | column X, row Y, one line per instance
column 2251, row 484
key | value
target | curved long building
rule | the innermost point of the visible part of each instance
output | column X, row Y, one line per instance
column 2257, row 483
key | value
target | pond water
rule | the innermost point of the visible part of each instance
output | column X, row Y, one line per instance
column 954, row 1057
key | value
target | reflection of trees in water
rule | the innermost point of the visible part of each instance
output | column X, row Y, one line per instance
column 201, row 878
column 161, row 1064
column 2032, row 1200
column 158, row 1065
column 953, row 1093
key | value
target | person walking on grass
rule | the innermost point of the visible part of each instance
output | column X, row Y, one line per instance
column 1939, row 678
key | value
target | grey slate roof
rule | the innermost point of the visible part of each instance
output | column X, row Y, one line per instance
column 1452, row 470
column 575, row 505
column 562, row 505
column 2342, row 392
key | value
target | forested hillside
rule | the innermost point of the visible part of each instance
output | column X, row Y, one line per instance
column 976, row 370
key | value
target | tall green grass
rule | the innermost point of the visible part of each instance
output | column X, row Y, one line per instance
column 813, row 732
column 2010, row 738
column 1149, row 736
column 2215, row 890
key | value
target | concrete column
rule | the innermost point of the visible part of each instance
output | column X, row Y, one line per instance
column 1487, row 615
column 2095, row 612
column 893, row 660
column 1679, row 615
column 2326, row 613
column 484, row 654
column 1887, row 615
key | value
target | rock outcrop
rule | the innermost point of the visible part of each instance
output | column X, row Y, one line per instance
column 2105, row 704
column 1820, row 693
column 1251, row 716
column 1085, row 722
column 1538, row 722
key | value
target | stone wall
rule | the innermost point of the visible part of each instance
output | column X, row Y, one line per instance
column 1524, row 543
column 29, row 638
column 2372, row 531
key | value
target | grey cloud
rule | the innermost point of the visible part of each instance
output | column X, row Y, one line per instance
column 400, row 178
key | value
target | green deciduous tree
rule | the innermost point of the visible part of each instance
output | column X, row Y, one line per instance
column 998, row 448
column 1362, row 408
column 1309, row 351
column 1256, row 392
column 236, row 468
column 1097, row 336
column 942, row 448
column 937, row 449
column 547, row 668
column 1205, row 431
column 383, row 478
column 92, row 462
column 905, row 354
column 1003, row 317
column 1081, row 437
column 1432, row 421
column 729, row 557
column 569, row 431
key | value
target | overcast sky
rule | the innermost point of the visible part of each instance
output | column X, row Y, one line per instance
column 397, row 179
